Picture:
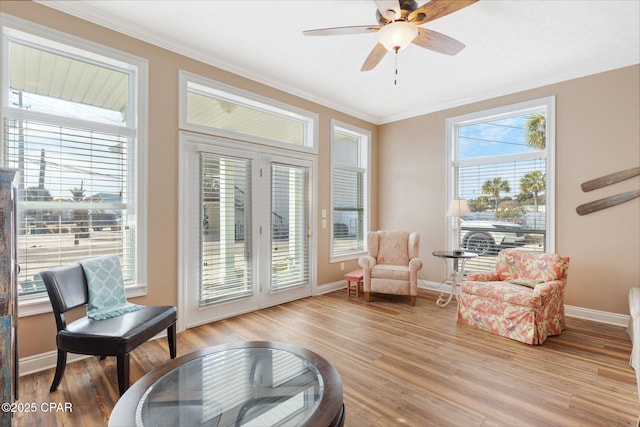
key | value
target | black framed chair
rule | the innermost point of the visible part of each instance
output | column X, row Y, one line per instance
column 117, row 336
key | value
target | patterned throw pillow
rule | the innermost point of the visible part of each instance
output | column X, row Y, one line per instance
column 106, row 288
column 526, row 282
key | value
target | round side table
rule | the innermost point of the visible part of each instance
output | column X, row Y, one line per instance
column 458, row 260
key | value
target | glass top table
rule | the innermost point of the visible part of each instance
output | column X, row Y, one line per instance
column 255, row 383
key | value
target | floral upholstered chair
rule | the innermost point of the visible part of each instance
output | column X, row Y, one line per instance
column 391, row 265
column 522, row 299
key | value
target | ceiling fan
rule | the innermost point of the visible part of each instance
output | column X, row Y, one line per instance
column 399, row 22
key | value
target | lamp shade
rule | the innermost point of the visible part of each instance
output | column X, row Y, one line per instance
column 458, row 207
column 397, row 35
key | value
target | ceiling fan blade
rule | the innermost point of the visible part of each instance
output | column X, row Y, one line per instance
column 437, row 42
column 437, row 9
column 376, row 55
column 339, row 31
column 386, row 6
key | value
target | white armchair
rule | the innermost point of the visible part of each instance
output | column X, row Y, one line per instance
column 391, row 265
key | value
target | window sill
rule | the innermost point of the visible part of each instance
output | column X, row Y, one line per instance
column 32, row 307
column 347, row 257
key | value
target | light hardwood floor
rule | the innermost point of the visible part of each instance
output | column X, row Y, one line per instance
column 400, row 366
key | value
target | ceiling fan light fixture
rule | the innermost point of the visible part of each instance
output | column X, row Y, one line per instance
column 397, row 35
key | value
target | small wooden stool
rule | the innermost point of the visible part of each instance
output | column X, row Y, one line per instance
column 355, row 276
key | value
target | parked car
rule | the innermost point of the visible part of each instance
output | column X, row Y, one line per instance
column 489, row 237
column 100, row 220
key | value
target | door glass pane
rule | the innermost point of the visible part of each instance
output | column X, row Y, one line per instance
column 289, row 225
column 225, row 237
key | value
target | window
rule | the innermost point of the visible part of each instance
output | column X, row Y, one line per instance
column 217, row 109
column 71, row 125
column 501, row 162
column 350, row 186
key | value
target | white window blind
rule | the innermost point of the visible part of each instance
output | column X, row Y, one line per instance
column 290, row 228
column 70, row 129
column 516, row 222
column 348, row 211
column 73, row 203
column 225, row 254
column 349, row 192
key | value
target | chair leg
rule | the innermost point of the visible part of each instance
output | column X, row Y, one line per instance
column 366, row 296
column 60, row 365
column 171, row 337
column 123, row 373
column 413, row 300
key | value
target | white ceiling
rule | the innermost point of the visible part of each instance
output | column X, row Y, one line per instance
column 510, row 46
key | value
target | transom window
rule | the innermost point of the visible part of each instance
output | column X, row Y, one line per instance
column 218, row 109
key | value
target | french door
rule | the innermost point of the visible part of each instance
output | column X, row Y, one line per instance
column 246, row 228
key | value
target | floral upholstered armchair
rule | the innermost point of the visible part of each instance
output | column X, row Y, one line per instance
column 391, row 265
column 522, row 299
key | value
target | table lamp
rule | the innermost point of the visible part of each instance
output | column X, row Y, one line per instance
column 458, row 208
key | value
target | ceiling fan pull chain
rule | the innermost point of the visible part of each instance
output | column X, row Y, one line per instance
column 395, row 79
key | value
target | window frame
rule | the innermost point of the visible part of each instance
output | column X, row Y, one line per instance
column 251, row 100
column 364, row 154
column 511, row 110
column 48, row 39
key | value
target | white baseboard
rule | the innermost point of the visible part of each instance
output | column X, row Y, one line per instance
column 597, row 315
column 330, row 287
column 43, row 361
column 40, row 362
column 434, row 286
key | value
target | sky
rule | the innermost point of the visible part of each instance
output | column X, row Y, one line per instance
column 491, row 140
column 500, row 137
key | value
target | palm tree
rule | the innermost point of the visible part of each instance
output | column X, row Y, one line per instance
column 533, row 182
column 78, row 193
column 536, row 128
column 80, row 216
column 494, row 187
